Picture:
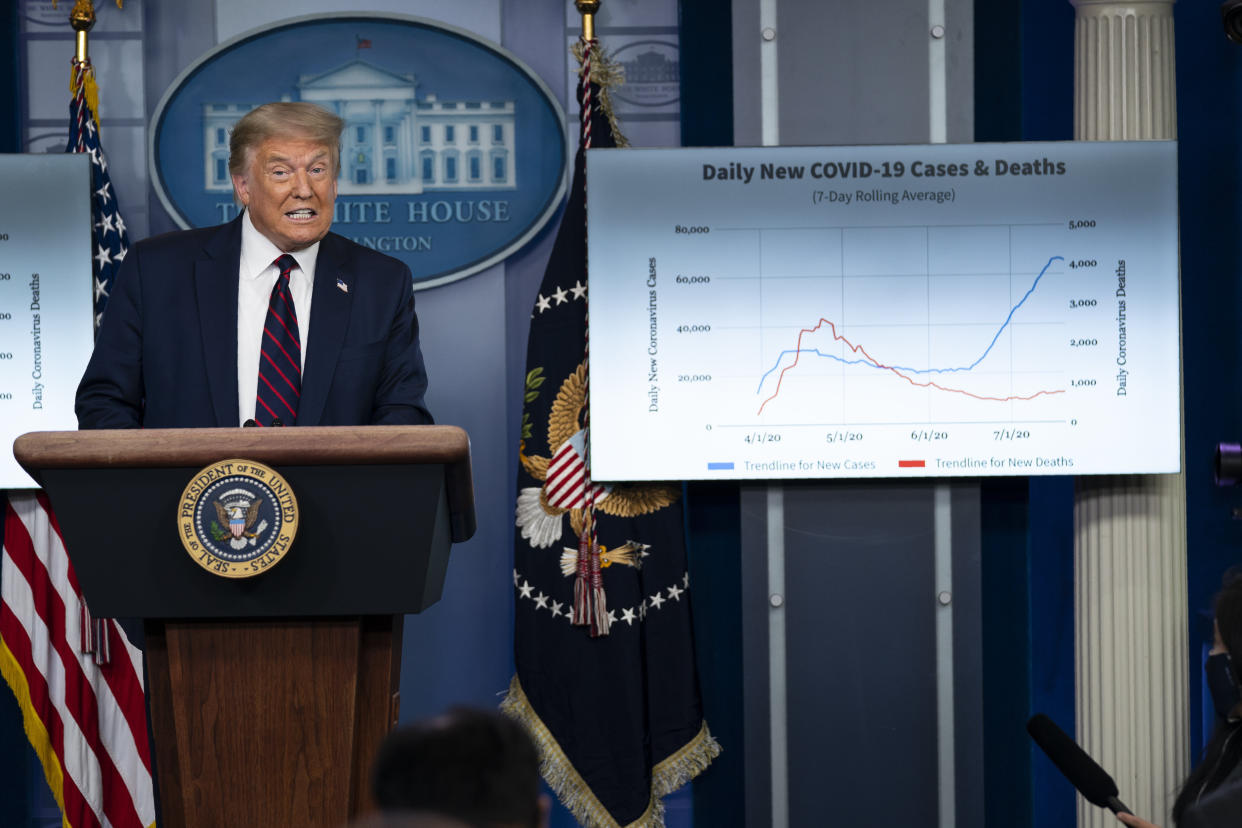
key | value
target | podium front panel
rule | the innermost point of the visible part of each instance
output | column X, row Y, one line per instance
column 371, row 540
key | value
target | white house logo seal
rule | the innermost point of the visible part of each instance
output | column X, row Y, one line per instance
column 453, row 154
column 237, row 518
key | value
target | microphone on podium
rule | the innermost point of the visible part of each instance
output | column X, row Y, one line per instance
column 1091, row 780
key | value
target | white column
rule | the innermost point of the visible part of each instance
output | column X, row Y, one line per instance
column 1130, row 532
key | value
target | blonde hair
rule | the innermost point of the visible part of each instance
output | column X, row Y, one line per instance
column 284, row 119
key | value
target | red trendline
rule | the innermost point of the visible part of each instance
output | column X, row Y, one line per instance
column 858, row 349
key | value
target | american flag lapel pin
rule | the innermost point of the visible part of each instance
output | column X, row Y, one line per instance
column 341, row 286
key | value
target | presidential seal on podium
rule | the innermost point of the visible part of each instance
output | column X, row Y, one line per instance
column 237, row 518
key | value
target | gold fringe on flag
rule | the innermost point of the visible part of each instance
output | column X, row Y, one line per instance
column 36, row 731
column 666, row 777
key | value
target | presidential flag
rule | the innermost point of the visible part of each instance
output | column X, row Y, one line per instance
column 78, row 681
column 606, row 678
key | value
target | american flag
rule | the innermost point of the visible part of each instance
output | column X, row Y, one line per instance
column 108, row 232
column 78, row 681
column 86, row 721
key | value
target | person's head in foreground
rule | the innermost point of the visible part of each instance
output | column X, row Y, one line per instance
column 476, row 766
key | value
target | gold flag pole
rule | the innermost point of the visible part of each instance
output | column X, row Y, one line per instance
column 604, row 71
column 588, row 9
column 82, row 18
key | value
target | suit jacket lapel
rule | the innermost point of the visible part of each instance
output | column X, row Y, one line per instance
column 330, row 309
column 215, row 280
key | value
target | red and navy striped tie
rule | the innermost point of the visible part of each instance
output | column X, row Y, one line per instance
column 280, row 355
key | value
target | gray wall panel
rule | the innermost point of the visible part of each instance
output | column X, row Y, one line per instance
column 960, row 32
column 862, row 653
column 853, row 73
column 746, row 126
column 860, row 597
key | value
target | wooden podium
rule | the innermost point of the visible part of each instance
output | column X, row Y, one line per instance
column 268, row 695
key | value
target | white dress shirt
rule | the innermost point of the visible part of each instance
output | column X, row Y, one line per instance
column 256, row 278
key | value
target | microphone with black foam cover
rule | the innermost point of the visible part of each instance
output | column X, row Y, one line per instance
column 1091, row 780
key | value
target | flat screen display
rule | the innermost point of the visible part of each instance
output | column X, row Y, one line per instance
column 46, row 316
column 884, row 311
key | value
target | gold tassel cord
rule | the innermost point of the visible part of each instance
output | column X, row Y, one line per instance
column 607, row 74
column 628, row 554
column 91, row 90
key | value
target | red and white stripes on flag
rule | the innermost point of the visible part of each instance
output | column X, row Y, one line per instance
column 87, row 722
column 567, row 482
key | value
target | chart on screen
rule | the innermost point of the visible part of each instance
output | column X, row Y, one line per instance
column 949, row 310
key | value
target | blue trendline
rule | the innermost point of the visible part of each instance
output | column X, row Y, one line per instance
column 875, row 364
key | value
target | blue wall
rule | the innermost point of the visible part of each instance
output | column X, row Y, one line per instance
column 1209, row 88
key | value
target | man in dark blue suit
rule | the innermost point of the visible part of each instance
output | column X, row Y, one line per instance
column 187, row 340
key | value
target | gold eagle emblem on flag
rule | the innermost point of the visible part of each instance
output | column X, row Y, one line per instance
column 541, row 511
